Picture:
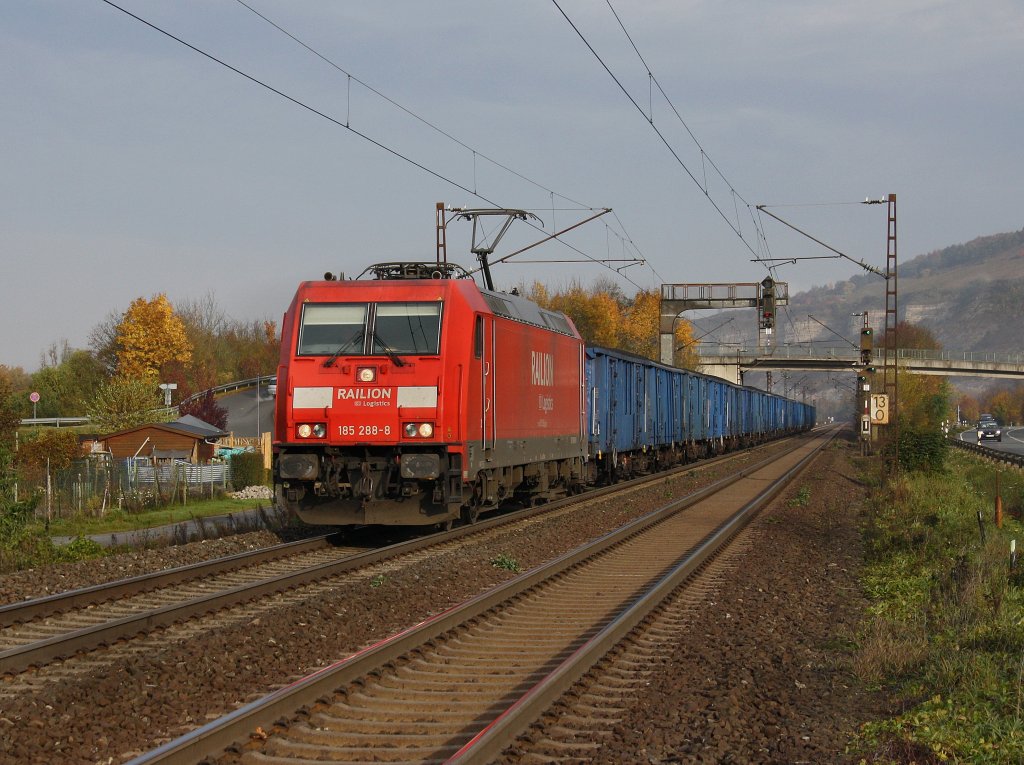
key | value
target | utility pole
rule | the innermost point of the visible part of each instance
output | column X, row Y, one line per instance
column 890, row 365
column 890, row 362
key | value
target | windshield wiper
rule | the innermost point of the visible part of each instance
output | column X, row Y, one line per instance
column 391, row 354
column 357, row 337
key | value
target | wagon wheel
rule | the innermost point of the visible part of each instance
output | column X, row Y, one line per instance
column 471, row 510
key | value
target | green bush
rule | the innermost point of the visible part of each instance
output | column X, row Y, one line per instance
column 247, row 470
column 922, row 450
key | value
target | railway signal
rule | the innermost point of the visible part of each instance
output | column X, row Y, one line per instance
column 767, row 304
column 866, row 345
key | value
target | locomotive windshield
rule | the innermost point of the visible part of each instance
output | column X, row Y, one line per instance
column 332, row 328
column 406, row 328
column 336, row 329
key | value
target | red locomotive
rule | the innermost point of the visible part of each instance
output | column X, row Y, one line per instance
column 416, row 397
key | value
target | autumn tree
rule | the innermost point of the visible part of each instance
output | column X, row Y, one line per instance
column 205, row 326
column 67, row 381
column 641, row 332
column 206, row 408
column 596, row 314
column 910, row 335
column 968, row 408
column 604, row 316
column 52, row 449
column 150, row 335
column 1003, row 407
column 10, row 418
column 103, row 341
column 125, row 402
column 223, row 349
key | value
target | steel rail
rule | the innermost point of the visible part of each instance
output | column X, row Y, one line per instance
column 490, row 742
column 213, row 738
column 27, row 610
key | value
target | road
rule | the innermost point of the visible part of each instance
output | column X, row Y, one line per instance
column 245, row 408
column 1012, row 443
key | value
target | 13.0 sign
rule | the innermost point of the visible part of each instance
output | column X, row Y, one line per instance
column 880, row 409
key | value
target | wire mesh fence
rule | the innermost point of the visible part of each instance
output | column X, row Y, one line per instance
column 94, row 486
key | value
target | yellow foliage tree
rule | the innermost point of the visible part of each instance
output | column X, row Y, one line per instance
column 1003, row 407
column 605, row 317
column 150, row 335
column 923, row 401
column 641, row 332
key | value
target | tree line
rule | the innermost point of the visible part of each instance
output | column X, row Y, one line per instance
column 194, row 345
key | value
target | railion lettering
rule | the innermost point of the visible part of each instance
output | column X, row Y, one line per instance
column 364, row 394
column 542, row 368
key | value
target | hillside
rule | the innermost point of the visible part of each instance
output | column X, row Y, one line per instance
column 970, row 296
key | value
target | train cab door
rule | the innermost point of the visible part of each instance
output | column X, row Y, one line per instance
column 482, row 384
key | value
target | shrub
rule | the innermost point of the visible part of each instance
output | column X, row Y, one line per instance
column 247, row 470
column 922, row 450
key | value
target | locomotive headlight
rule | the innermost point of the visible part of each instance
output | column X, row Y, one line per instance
column 311, row 430
column 366, row 374
column 418, row 429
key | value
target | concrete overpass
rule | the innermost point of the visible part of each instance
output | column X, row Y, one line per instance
column 730, row 362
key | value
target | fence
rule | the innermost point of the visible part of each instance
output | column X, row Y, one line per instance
column 95, row 486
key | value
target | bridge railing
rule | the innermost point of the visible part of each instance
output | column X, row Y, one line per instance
column 67, row 422
column 809, row 350
column 992, row 454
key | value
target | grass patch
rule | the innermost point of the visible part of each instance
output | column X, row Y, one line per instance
column 801, row 498
column 27, row 542
column 506, row 562
column 946, row 626
column 121, row 520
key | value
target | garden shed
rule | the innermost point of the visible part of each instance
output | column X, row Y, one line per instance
column 188, row 438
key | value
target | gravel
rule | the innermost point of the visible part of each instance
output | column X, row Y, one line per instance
column 61, row 577
column 767, row 684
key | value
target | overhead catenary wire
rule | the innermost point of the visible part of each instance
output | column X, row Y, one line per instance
column 649, row 118
column 365, row 136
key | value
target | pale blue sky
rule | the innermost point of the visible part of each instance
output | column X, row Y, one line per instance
column 133, row 165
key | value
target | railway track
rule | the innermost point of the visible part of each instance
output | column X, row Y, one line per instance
column 36, row 632
column 462, row 685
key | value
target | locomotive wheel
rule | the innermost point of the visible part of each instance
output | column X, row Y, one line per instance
column 471, row 511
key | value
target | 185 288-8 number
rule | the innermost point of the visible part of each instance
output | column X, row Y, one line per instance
column 364, row 430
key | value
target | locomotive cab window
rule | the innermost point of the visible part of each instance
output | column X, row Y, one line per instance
column 406, row 328
column 332, row 328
